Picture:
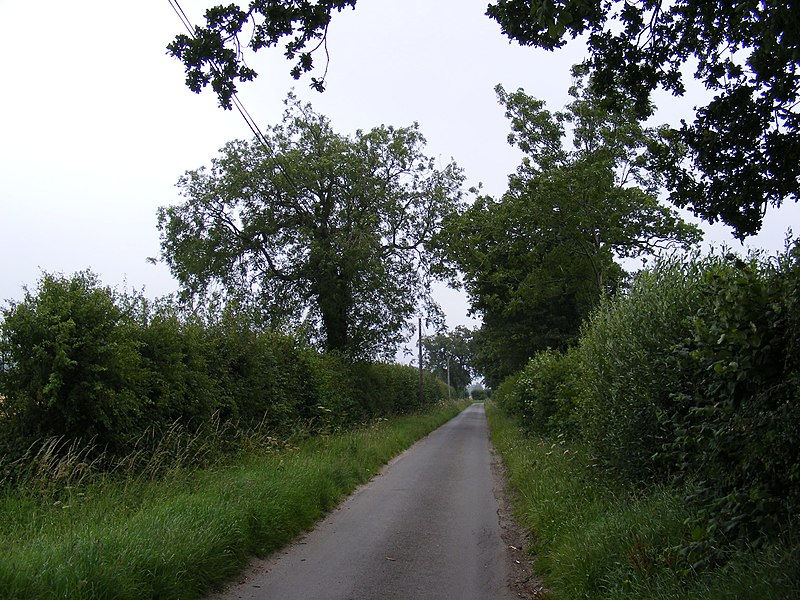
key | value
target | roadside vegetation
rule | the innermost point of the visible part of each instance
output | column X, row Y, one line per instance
column 69, row 531
column 649, row 421
column 147, row 447
column 147, row 450
column 595, row 538
column 117, row 372
column 657, row 457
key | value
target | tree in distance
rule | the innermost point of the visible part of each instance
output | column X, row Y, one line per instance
column 537, row 260
column 451, row 351
column 314, row 229
column 745, row 143
column 602, row 194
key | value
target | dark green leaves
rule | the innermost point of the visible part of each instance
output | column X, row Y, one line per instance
column 315, row 228
column 69, row 362
column 536, row 261
column 744, row 144
column 213, row 54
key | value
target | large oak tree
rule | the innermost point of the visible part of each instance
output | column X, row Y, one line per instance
column 311, row 227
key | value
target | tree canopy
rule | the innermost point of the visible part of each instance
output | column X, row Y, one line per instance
column 745, row 143
column 315, row 228
column 212, row 54
column 604, row 188
column 530, row 292
column 451, row 351
column 535, row 261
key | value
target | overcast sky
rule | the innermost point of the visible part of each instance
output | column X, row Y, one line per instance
column 96, row 124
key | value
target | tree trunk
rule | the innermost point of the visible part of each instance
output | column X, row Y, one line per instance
column 334, row 298
column 334, row 308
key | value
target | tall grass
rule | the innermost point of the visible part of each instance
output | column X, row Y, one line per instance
column 182, row 533
column 594, row 539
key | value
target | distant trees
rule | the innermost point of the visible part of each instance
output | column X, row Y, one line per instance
column 450, row 355
column 602, row 192
column 315, row 228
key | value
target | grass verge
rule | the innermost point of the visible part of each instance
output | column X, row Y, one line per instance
column 593, row 540
column 183, row 535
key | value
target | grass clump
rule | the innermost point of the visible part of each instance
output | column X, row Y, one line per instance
column 180, row 535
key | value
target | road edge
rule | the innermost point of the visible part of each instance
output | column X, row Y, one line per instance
column 522, row 578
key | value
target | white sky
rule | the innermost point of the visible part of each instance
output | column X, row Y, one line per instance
column 96, row 124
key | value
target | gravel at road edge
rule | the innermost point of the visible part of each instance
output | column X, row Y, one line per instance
column 523, row 580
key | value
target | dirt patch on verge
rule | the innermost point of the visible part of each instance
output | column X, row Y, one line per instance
column 522, row 579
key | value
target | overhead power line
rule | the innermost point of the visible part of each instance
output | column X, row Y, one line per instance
column 182, row 16
column 251, row 123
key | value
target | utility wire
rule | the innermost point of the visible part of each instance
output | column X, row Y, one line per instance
column 182, row 16
column 251, row 123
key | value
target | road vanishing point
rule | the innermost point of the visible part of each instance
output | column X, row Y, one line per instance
column 426, row 528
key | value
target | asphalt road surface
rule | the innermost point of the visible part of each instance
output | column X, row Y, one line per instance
column 426, row 528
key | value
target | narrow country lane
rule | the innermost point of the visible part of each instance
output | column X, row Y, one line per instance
column 427, row 528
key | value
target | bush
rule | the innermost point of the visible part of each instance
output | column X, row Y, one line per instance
column 338, row 403
column 178, row 383
column 548, row 390
column 384, row 388
column 70, row 363
column 630, row 373
column 509, row 395
column 267, row 378
column 481, row 394
column 693, row 377
column 690, row 378
column 736, row 432
column 79, row 362
column 595, row 539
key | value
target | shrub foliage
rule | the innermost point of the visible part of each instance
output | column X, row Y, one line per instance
column 691, row 378
column 81, row 362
